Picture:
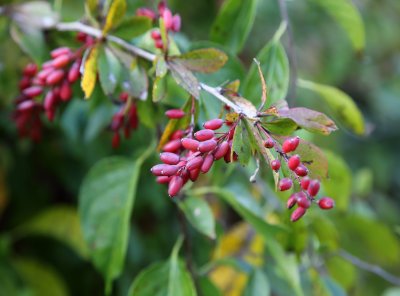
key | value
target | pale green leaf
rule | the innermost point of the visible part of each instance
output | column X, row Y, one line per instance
column 109, row 70
column 206, row 60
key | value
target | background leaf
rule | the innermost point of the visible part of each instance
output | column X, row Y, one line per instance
column 109, row 70
column 115, row 14
column 206, row 60
column 258, row 284
column 133, row 27
column 184, row 78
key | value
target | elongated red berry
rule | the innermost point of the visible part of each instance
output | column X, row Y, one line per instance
column 73, row 73
column 115, row 140
column 275, row 164
column 42, row 75
column 167, row 16
column 294, row 162
column 326, row 203
column 194, row 174
column 55, row 77
column 207, row 163
column 221, row 150
column 172, row 146
column 213, row 124
column 285, row 184
column 159, row 44
column 60, row 51
column 301, row 170
column 169, row 158
column 24, row 83
column 305, row 182
column 50, row 101
column 190, row 144
column 175, row 113
column 26, row 105
column 65, row 91
column 269, row 143
column 32, row 91
column 302, row 200
column 291, row 201
column 297, row 214
column 207, row 146
column 61, row 61
column 155, row 34
column 194, row 163
column 30, row 70
column 290, row 144
column 163, row 179
column 313, row 188
column 203, row 135
column 164, row 170
column 178, row 134
column 175, row 185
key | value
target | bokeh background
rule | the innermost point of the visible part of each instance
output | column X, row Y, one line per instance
column 40, row 250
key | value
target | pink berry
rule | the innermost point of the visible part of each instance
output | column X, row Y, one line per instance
column 294, row 162
column 159, row 44
column 172, row 146
column 169, row 158
column 275, row 164
column 285, row 184
column 269, row 143
column 60, row 51
column 203, row 135
column 32, row 91
column 190, row 144
column 73, row 73
column 213, row 124
column 305, row 182
column 164, row 170
column 301, row 170
column 302, row 200
column 194, row 174
column 207, row 163
column 178, row 134
column 175, row 185
column 176, row 23
column 163, row 179
column 61, row 61
column 65, row 91
column 30, row 70
column 167, row 16
column 155, row 34
column 297, row 214
column 221, row 150
column 291, row 201
column 313, row 188
column 50, row 101
column 207, row 146
column 194, row 163
column 175, row 113
column 55, row 77
column 290, row 144
column 326, row 203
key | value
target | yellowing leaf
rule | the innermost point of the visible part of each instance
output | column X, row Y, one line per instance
column 115, row 14
column 205, row 60
column 90, row 72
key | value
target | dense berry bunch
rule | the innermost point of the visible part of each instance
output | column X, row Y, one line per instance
column 125, row 119
column 172, row 23
column 188, row 154
column 44, row 90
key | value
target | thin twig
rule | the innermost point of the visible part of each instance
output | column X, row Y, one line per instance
column 379, row 271
column 291, row 53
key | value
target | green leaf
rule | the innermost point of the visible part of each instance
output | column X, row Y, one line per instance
column 133, row 27
column 314, row 159
column 159, row 89
column 135, row 82
column 61, row 223
column 35, row 15
column 115, row 15
column 310, row 120
column 106, row 200
column 241, row 144
column 206, row 60
column 275, row 67
column 207, row 287
column 233, row 23
column 109, row 70
column 161, row 66
column 258, row 284
column 338, row 185
column 341, row 105
column 92, row 8
column 281, row 126
column 342, row 271
column 40, row 278
column 184, row 78
column 348, row 17
column 199, row 214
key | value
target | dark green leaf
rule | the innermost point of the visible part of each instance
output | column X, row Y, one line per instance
column 234, row 23
column 240, row 143
column 133, row 27
column 106, row 200
column 206, row 60
column 199, row 215
column 184, row 78
column 109, row 69
column 281, row 126
column 258, row 284
column 341, row 105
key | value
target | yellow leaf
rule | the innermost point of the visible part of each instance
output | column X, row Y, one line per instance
column 90, row 72
column 115, row 14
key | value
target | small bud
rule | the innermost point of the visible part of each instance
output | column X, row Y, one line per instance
column 194, row 174
column 65, row 91
column 167, row 16
column 176, row 23
column 61, row 61
column 115, row 140
column 30, row 70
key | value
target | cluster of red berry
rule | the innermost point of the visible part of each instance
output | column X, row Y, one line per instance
column 171, row 22
column 188, row 154
column 309, row 187
column 55, row 78
column 125, row 119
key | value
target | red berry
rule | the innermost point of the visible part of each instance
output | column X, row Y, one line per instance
column 221, row 150
column 175, row 113
column 73, row 73
column 297, row 214
column 158, row 44
column 190, row 144
column 203, row 135
column 50, row 101
column 290, row 144
column 194, row 174
column 172, row 146
column 207, row 146
column 285, row 184
column 163, row 179
column 81, row 37
column 65, row 91
column 61, row 61
column 305, row 182
column 207, row 163
column 194, row 163
column 178, row 134
column 169, row 158
column 313, row 188
column 213, row 124
column 176, row 23
column 60, row 51
column 275, row 164
column 164, row 170
column 115, row 140
column 302, row 200
column 175, row 185
column 291, row 201
column 301, row 170
column 51, row 113
column 30, row 70
column 123, row 96
column 32, row 91
column 294, row 162
column 155, row 34
column 269, row 143
column 326, row 203
column 55, row 77
column 24, row 83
